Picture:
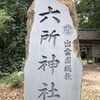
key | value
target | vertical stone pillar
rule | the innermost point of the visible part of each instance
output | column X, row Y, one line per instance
column 53, row 69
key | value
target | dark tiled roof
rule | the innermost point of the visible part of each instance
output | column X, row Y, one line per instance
column 89, row 34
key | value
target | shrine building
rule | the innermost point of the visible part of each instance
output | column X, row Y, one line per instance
column 89, row 40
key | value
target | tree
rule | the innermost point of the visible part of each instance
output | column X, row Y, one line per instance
column 12, row 34
column 88, row 13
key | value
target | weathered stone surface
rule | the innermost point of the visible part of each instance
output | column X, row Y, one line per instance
column 73, row 15
column 53, row 70
column 30, row 20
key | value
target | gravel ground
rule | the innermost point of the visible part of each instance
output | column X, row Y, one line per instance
column 91, row 83
column 8, row 92
column 90, row 87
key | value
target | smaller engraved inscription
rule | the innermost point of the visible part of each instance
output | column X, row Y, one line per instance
column 68, row 59
column 67, row 29
column 68, row 76
column 67, row 68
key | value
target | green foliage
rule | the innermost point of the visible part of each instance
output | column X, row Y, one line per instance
column 15, row 78
column 4, row 19
column 88, row 13
column 22, row 98
column 12, row 34
column 3, row 74
column 83, row 53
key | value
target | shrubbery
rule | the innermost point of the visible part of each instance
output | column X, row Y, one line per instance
column 16, row 78
column 12, row 34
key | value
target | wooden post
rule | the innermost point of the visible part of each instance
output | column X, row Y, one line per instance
column 93, row 58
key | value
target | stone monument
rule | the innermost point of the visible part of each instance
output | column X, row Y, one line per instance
column 53, row 69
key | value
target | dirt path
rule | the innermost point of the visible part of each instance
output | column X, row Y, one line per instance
column 91, row 84
column 90, row 87
column 8, row 92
